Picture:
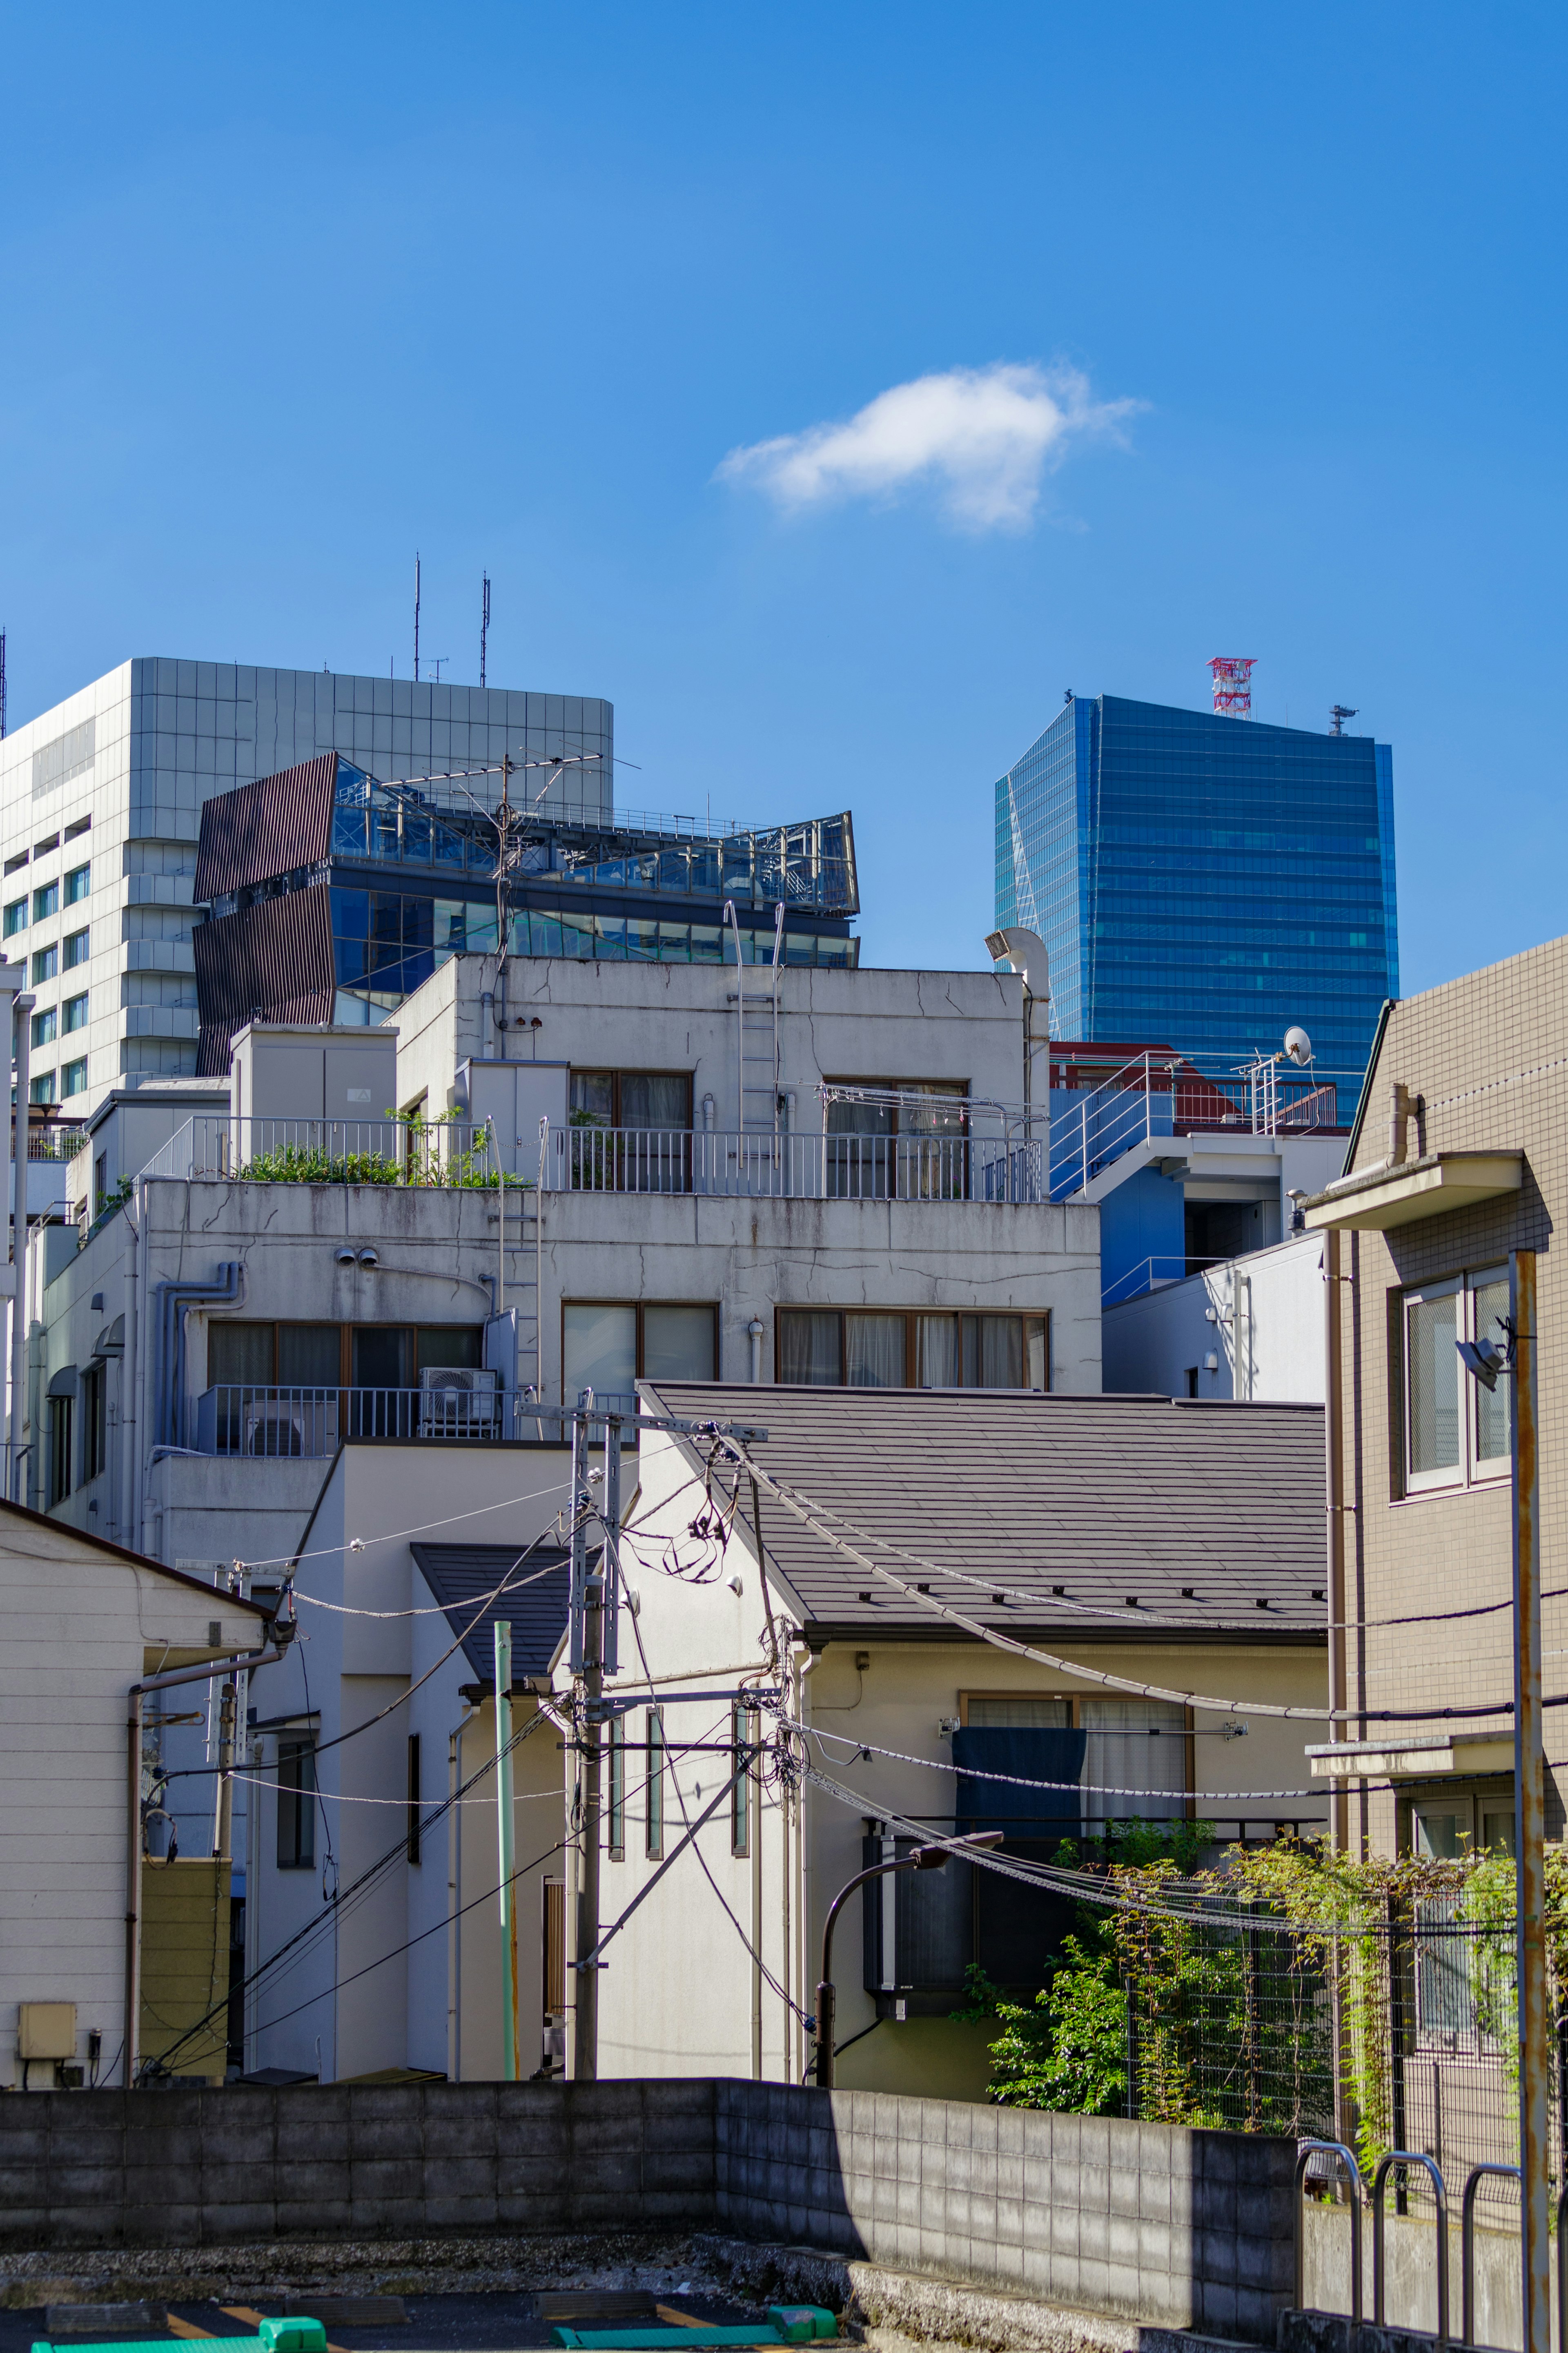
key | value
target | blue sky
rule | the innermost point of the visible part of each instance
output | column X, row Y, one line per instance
column 289, row 293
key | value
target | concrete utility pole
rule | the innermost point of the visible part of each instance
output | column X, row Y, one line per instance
column 585, row 2043
column 1530, row 1823
column 505, row 1833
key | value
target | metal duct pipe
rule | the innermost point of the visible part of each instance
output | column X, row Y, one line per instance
column 174, row 1300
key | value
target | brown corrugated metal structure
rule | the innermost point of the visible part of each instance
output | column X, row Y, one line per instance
column 276, row 956
column 266, row 829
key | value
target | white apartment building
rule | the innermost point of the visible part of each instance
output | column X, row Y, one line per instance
column 101, row 801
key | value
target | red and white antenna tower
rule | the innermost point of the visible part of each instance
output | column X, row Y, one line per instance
column 1233, row 684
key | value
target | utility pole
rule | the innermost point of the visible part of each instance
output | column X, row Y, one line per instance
column 223, row 1824
column 508, row 1846
column 1530, row 1823
column 585, row 2044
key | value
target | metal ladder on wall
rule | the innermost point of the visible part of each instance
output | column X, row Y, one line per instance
column 759, row 1061
column 518, row 1219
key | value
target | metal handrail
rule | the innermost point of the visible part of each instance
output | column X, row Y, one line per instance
column 1473, row 2180
column 1310, row 2148
column 1410, row 2157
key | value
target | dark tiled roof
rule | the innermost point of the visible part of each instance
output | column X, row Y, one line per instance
column 457, row 1575
column 1108, row 1497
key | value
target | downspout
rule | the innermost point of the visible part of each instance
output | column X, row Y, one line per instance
column 129, row 1485
column 176, row 1299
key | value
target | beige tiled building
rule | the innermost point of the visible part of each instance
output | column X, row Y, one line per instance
column 1460, row 1156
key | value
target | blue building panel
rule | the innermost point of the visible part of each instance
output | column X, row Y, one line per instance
column 1202, row 878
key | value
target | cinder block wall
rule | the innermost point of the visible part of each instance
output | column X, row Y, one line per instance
column 187, row 2167
column 1192, row 2229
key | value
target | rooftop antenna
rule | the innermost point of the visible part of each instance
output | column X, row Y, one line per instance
column 1337, row 718
column 416, row 616
column 437, row 661
column 484, row 626
column 1233, row 684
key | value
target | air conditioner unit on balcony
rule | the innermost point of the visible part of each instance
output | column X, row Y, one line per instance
column 308, row 1427
column 457, row 1400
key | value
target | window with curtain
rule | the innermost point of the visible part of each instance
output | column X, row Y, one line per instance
column 811, row 1348
column 638, row 1099
column 1134, row 1744
column 869, row 1348
column 874, row 1350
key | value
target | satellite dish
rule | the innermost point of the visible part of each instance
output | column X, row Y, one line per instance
column 1299, row 1046
column 1025, row 951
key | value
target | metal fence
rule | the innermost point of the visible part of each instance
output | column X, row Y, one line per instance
column 1232, row 2021
column 273, row 1419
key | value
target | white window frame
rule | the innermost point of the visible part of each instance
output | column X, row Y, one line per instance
column 1470, row 1471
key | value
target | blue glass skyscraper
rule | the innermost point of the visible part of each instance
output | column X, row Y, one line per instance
column 1203, row 881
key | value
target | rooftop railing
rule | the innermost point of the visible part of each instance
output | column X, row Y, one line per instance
column 1161, row 1094
column 594, row 1159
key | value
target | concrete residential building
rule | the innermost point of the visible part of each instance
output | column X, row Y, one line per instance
column 1088, row 1511
column 1250, row 1328
column 266, row 1290
column 100, row 803
column 1202, row 877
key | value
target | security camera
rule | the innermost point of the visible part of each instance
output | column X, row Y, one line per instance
column 368, row 1258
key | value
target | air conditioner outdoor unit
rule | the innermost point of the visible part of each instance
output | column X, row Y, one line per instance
column 457, row 1400
column 308, row 1427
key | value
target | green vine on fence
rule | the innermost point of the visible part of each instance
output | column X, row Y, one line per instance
column 1216, row 1987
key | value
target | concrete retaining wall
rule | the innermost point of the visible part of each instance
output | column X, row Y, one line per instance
column 1189, row 2230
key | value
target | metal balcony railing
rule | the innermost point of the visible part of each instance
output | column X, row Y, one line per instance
column 1162, row 1095
column 619, row 1160
column 799, row 1167
column 270, row 1418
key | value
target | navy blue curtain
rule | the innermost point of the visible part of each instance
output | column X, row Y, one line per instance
column 1034, row 1752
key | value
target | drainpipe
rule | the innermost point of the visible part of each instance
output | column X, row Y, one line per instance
column 1399, row 1110
column 175, row 1300
column 129, row 1483
column 754, row 1335
column 24, row 1007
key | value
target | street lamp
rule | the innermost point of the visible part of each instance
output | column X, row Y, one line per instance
column 922, row 1858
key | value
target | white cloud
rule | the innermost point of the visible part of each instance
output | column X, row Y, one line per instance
column 982, row 437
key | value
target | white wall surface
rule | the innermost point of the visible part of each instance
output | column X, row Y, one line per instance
column 870, row 1025
column 79, row 1625
column 361, row 1989
column 1267, row 1333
